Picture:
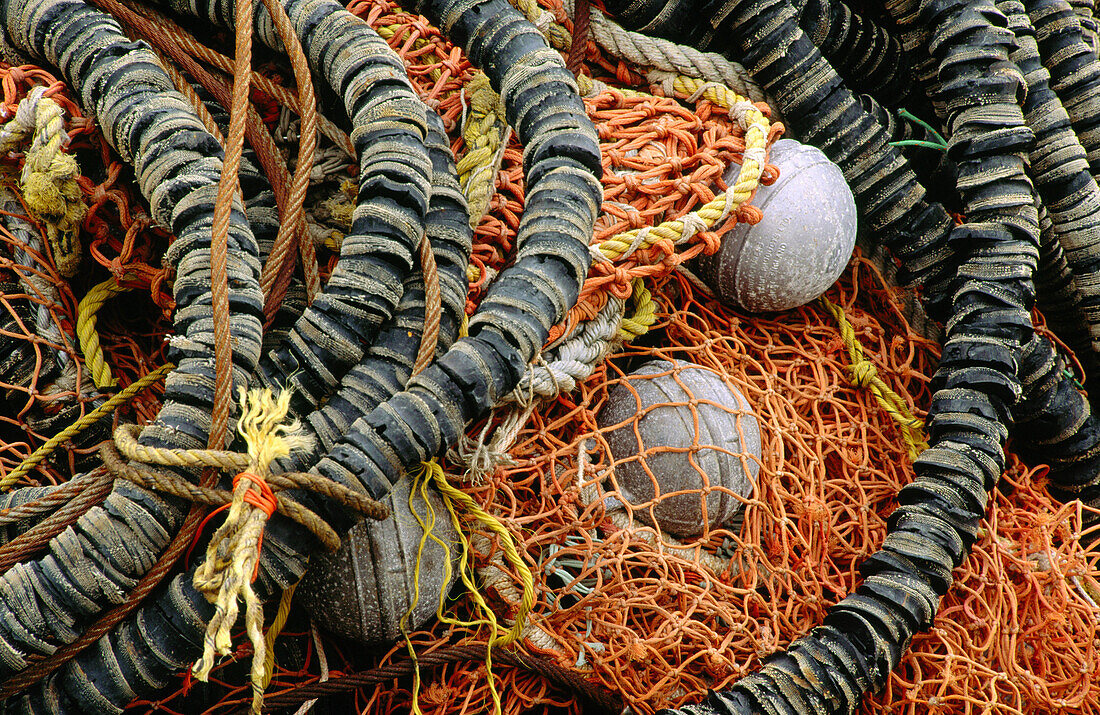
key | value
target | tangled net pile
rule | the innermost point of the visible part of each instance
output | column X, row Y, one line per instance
column 619, row 607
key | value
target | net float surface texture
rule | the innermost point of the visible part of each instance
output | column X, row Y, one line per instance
column 800, row 246
column 362, row 591
column 679, row 427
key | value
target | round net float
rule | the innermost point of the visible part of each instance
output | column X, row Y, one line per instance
column 363, row 591
column 685, row 446
column 800, row 246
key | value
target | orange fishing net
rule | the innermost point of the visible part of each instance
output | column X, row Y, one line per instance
column 655, row 620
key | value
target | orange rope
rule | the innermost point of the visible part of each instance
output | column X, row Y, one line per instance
column 658, row 625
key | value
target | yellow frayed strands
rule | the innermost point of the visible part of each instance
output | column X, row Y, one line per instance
column 455, row 501
column 233, row 556
column 49, row 175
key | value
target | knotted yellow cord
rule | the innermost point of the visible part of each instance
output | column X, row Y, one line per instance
column 485, row 131
column 234, row 551
column 49, row 175
column 864, row 374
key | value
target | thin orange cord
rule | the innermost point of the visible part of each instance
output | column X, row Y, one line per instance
column 656, row 624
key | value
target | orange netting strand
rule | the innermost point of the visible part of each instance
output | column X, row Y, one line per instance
column 660, row 626
column 652, row 622
column 655, row 623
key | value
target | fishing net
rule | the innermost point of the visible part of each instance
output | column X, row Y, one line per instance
column 837, row 388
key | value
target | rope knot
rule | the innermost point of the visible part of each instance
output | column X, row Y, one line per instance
column 233, row 556
column 49, row 176
column 864, row 373
column 259, row 493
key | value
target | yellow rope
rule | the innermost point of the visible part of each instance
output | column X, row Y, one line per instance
column 86, row 330
column 756, row 127
column 556, row 34
column 645, row 312
column 274, row 630
column 82, row 424
column 49, row 176
column 864, row 374
column 485, row 131
column 232, row 557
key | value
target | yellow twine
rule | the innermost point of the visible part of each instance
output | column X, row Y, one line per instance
column 82, row 424
column 273, row 631
column 427, row 527
column 234, row 551
column 556, row 34
column 756, row 128
column 454, row 499
column 86, row 330
column 645, row 312
column 49, row 176
column 864, row 374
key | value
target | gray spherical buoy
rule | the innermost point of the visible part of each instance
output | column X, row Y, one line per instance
column 801, row 245
column 683, row 443
column 362, row 591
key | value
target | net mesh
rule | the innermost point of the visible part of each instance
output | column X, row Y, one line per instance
column 655, row 619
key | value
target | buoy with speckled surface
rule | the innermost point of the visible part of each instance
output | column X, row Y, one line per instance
column 362, row 591
column 685, row 446
column 800, row 246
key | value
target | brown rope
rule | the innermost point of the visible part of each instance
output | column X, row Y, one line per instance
column 285, row 97
column 31, row 675
column 582, row 18
column 429, row 339
column 183, row 537
column 62, row 494
column 228, row 186
column 159, row 34
column 594, row 699
column 179, row 487
column 279, row 268
column 92, row 491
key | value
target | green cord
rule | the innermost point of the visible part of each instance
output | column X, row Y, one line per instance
column 906, row 114
column 920, row 142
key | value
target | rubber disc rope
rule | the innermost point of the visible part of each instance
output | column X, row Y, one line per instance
column 1013, row 83
column 385, row 422
column 977, row 277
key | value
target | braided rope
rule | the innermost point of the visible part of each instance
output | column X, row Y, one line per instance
column 49, row 175
column 433, row 308
column 865, row 374
column 233, row 555
column 486, row 133
column 640, row 50
column 279, row 268
column 756, row 127
column 86, row 330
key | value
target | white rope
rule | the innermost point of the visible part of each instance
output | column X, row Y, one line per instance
column 662, row 54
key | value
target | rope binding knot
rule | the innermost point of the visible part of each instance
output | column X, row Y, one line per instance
column 864, row 373
column 233, row 555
